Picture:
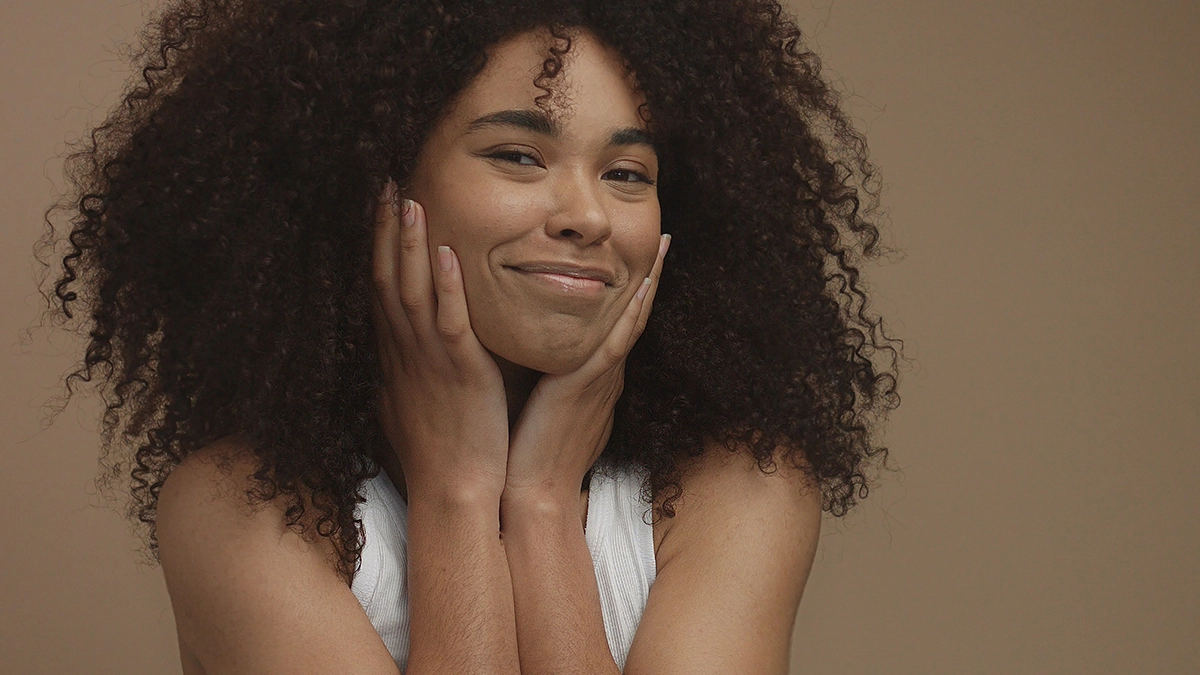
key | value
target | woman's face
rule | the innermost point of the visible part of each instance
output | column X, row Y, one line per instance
column 532, row 203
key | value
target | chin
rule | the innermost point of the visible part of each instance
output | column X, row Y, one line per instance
column 554, row 345
column 551, row 352
column 555, row 362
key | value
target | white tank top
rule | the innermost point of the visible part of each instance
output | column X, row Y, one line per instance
column 618, row 535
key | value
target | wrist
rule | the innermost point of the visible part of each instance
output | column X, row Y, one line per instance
column 465, row 498
column 540, row 503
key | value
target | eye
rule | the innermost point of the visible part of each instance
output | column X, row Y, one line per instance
column 638, row 177
column 514, row 157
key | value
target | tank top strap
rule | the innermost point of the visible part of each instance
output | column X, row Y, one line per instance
column 620, row 538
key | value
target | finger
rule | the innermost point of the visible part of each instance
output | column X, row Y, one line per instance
column 648, row 303
column 453, row 320
column 415, row 276
column 384, row 272
column 388, row 352
column 627, row 332
column 632, row 321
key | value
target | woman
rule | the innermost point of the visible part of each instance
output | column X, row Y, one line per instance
column 369, row 290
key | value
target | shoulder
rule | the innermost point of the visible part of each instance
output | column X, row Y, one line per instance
column 245, row 588
column 207, row 478
column 204, row 514
column 726, row 488
column 733, row 564
column 207, row 496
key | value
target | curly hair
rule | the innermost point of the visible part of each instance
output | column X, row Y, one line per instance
column 219, row 241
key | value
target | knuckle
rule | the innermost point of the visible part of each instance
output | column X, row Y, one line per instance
column 452, row 333
column 612, row 353
column 383, row 214
column 639, row 328
column 412, row 304
column 380, row 282
column 409, row 244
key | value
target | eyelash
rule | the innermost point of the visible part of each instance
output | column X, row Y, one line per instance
column 642, row 178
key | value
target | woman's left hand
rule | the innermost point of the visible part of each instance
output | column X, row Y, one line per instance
column 568, row 418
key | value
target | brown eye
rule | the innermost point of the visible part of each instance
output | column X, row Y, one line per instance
column 638, row 177
column 514, row 157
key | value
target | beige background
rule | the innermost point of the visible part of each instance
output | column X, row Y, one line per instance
column 1041, row 164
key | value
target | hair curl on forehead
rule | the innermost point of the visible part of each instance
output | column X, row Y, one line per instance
column 214, row 249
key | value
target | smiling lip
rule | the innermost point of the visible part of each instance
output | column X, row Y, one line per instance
column 560, row 269
column 584, row 282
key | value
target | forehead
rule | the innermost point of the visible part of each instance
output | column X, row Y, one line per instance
column 592, row 93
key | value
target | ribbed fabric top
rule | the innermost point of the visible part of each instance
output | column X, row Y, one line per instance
column 618, row 534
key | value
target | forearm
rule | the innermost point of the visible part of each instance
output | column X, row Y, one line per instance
column 560, row 629
column 460, row 592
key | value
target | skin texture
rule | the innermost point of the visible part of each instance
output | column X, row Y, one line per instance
column 445, row 400
column 216, row 252
column 527, row 601
column 502, row 198
column 724, row 600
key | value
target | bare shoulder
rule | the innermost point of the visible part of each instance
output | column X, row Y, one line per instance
column 212, row 482
column 732, row 566
column 722, row 486
column 204, row 505
column 249, row 593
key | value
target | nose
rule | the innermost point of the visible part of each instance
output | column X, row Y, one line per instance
column 579, row 213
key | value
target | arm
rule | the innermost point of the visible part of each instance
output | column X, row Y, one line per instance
column 250, row 595
column 560, row 434
column 559, row 625
column 443, row 409
column 731, row 571
column 460, row 594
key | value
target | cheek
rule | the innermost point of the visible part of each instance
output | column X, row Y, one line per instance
column 464, row 229
column 473, row 213
column 643, row 250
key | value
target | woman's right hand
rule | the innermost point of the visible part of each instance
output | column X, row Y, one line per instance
column 442, row 402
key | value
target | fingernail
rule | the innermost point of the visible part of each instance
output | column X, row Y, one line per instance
column 664, row 244
column 641, row 292
column 445, row 261
column 407, row 215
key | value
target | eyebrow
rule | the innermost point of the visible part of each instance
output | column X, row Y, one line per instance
column 540, row 123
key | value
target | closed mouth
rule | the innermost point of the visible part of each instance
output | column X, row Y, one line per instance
column 592, row 273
